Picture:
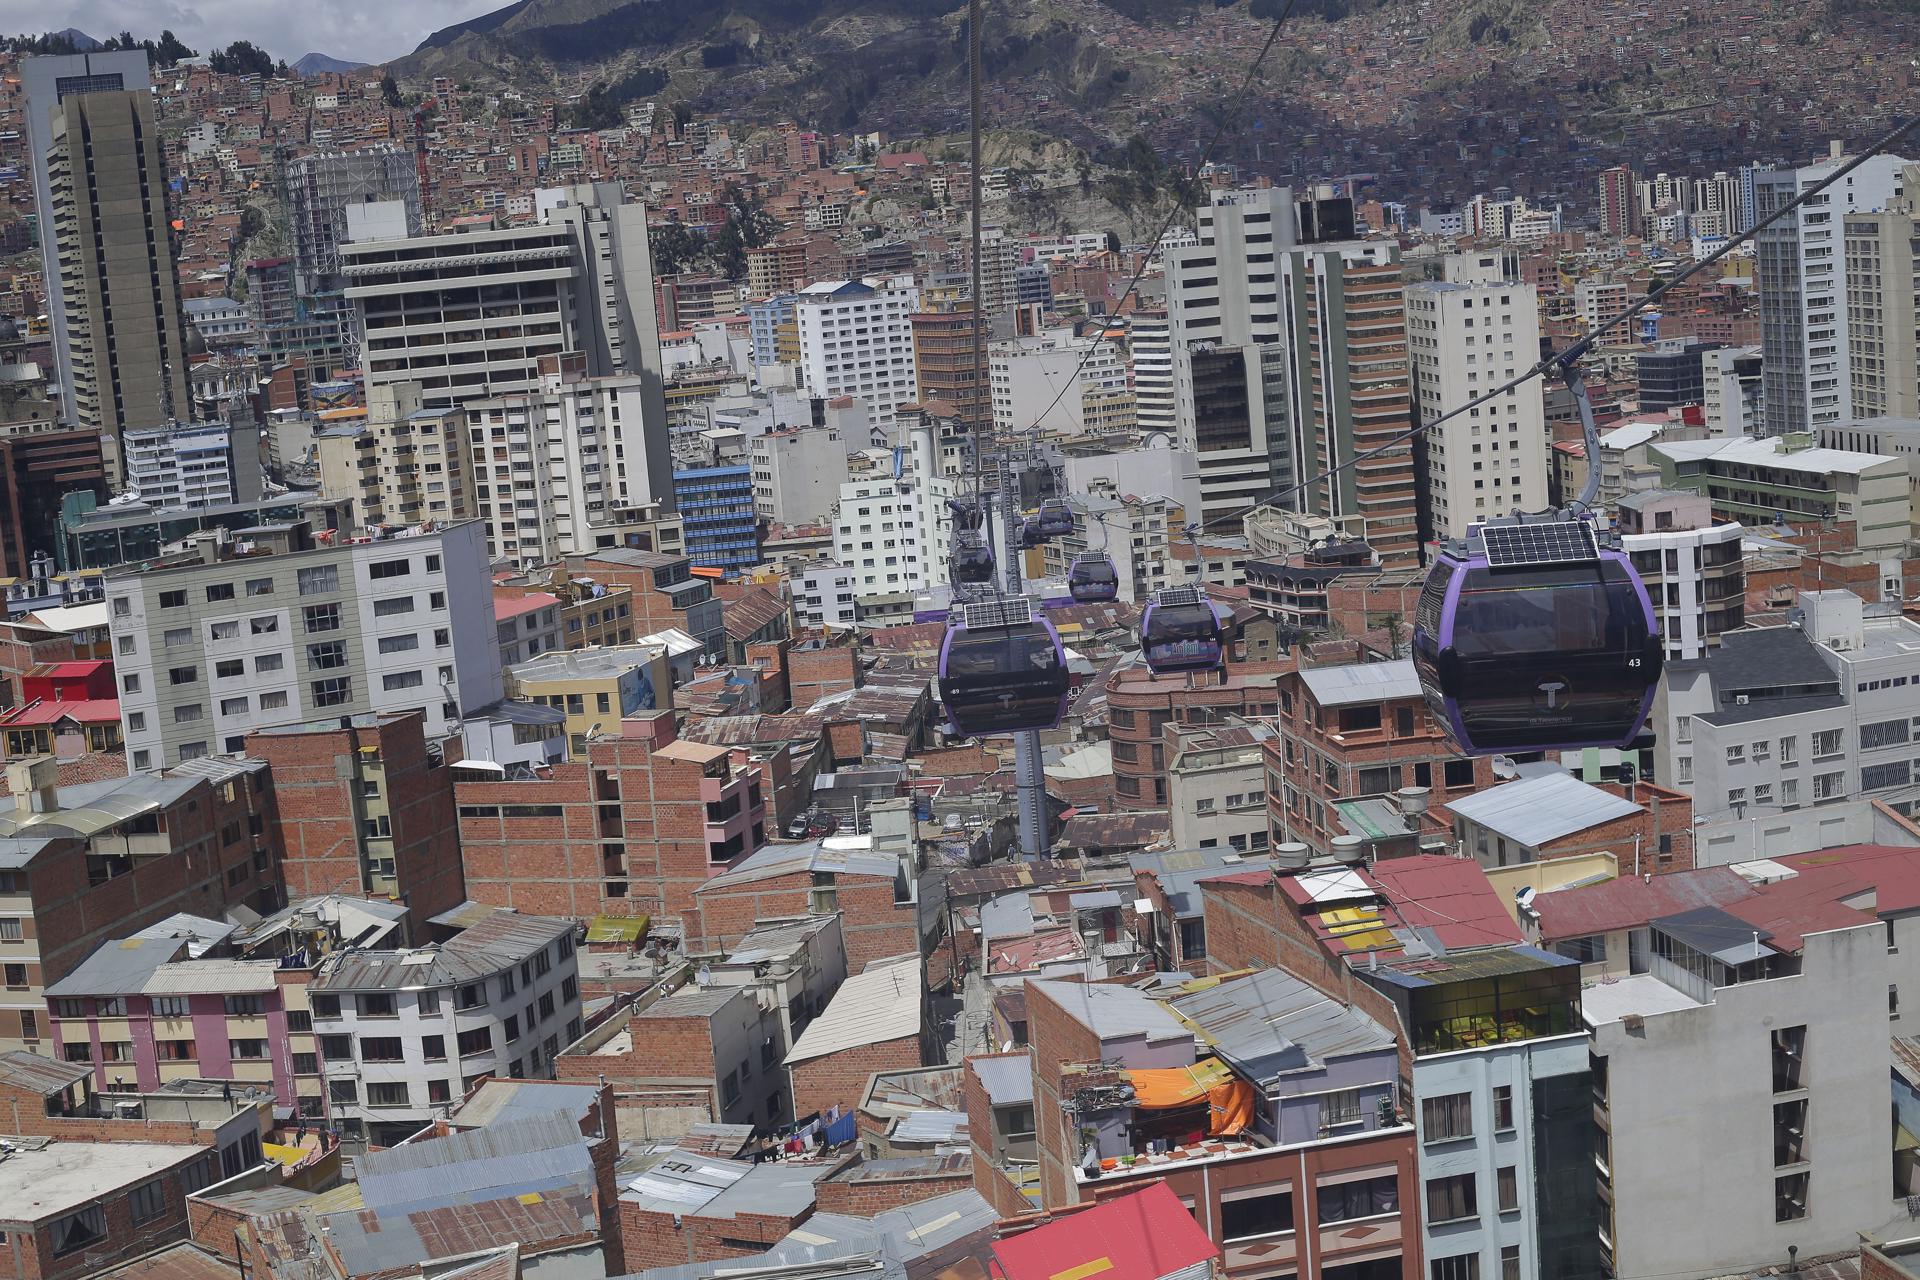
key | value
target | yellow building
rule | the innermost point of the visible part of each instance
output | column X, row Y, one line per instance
column 596, row 688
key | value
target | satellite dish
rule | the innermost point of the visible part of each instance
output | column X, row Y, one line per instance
column 1504, row 767
column 1523, row 896
column 703, row 976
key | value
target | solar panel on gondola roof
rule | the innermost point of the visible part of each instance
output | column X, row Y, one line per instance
column 1012, row 611
column 1557, row 542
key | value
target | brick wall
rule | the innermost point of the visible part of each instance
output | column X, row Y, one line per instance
column 813, row 673
column 30, row 1253
column 875, row 926
column 211, row 1226
column 840, row 1079
column 864, row 1197
column 652, row 1239
column 1057, row 1038
column 518, row 853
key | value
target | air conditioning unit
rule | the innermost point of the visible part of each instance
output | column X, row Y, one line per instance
column 1740, row 699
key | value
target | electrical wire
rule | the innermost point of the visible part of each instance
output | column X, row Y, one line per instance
column 1206, row 157
column 1579, row 349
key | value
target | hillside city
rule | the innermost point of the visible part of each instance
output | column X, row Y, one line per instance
column 562, row 720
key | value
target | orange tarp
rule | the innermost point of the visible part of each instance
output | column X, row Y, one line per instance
column 1229, row 1098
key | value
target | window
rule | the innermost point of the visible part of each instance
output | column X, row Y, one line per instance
column 477, row 1040
column 110, row 1007
column 1591, row 949
column 1446, row 1118
column 1502, row 1108
column 399, row 644
column 79, row 1230
column 1883, row 733
column 439, row 1091
column 148, row 1200
column 174, row 1050
column 233, row 706
column 470, row 997
column 274, row 700
column 1363, row 1198
column 1789, row 749
column 392, row 606
column 319, row 579
column 1451, row 1199
column 224, row 631
column 259, row 586
column 434, row 1048
column 1790, row 1197
column 1825, row 743
column 1878, row 777
column 1736, row 753
column 427, row 1002
column 343, row 1091
column 321, row 617
column 389, row 569
column 1341, row 1108
column 245, row 1006
column 511, row 1029
column 1262, row 1213
column 400, row 680
column 183, row 675
column 1789, row 1058
column 325, row 1006
column 1458, row 773
column 219, row 591
column 247, row 1049
column 377, row 1005
column 1509, row 1262
column 381, row 1049
column 1507, row 1180
column 264, row 626
column 16, row 975
column 306, row 1064
column 387, row 1094
column 266, row 662
column 1461, row 1266
column 332, row 691
column 173, row 599
column 337, row 1048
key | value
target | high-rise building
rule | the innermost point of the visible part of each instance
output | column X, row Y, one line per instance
column 1469, row 333
column 556, row 470
column 213, row 645
column 1619, row 203
column 1882, row 284
column 1730, row 390
column 856, row 339
column 202, row 464
column 1693, row 568
column 1049, row 382
column 717, row 511
column 1352, row 392
column 1150, row 356
column 1223, row 303
column 1803, row 295
column 48, row 83
column 123, row 354
column 40, row 463
column 318, row 189
column 943, row 362
column 469, row 315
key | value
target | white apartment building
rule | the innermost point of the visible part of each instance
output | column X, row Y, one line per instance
column 1890, row 437
column 279, row 630
column 192, row 464
column 555, row 469
column 1798, row 270
column 1730, row 397
column 1224, row 301
column 1694, row 570
column 1465, row 339
column 856, row 339
column 469, row 314
column 404, row 1033
column 797, row 474
column 1217, row 794
column 1740, row 1093
column 1039, row 383
column 882, row 538
column 1597, row 301
column 1785, row 717
column 1150, row 359
column 823, row 597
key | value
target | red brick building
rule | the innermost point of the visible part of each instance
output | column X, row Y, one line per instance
column 878, row 1021
column 634, row 830
column 366, row 809
column 871, row 890
column 1140, row 705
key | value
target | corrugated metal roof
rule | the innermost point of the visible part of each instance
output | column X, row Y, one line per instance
column 529, row 1153
column 1008, row 916
column 1538, row 811
column 832, row 855
column 1362, row 682
column 35, row 1074
column 1112, row 1013
column 118, row 968
column 502, row 939
column 500, row 1101
column 1007, row 1079
column 1270, row 1023
column 931, row 1127
column 1630, row 901
column 884, row 1002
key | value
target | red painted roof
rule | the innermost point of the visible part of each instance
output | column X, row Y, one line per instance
column 1143, row 1236
column 81, row 710
column 68, row 670
column 505, row 607
column 1835, row 889
column 1629, row 902
column 1450, row 896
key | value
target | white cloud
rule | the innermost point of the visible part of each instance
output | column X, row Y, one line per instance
column 358, row 30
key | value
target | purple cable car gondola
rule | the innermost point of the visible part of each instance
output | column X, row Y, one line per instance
column 972, row 559
column 1092, row 579
column 1535, row 634
column 1002, row 669
column 1180, row 631
column 1054, row 517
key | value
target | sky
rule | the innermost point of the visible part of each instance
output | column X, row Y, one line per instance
column 357, row 30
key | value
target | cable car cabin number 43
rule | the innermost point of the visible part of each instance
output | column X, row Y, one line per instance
column 1535, row 634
